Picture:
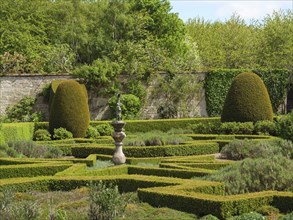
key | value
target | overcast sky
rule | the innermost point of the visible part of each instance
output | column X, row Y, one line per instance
column 222, row 10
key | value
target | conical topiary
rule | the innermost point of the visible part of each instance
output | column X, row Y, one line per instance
column 70, row 109
column 247, row 100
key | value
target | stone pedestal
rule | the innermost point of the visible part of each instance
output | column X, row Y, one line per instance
column 118, row 157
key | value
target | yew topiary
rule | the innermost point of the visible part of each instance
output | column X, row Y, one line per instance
column 70, row 109
column 247, row 100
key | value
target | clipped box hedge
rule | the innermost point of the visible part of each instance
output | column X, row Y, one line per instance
column 151, row 151
column 209, row 166
column 134, row 126
column 221, row 206
column 31, row 170
column 193, row 196
column 184, row 174
column 21, row 131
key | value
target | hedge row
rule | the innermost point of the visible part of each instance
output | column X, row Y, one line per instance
column 82, row 170
column 221, row 206
column 179, row 173
column 100, row 140
column 209, row 166
column 152, row 151
column 193, row 196
column 90, row 161
column 226, row 137
column 126, row 183
column 134, row 126
column 190, row 159
column 31, row 170
column 18, row 131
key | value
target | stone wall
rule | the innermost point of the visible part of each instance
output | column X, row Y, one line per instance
column 15, row 87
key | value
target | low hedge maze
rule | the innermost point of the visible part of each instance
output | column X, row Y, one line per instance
column 161, row 175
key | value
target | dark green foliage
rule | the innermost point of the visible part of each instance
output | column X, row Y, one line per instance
column 166, row 124
column 101, row 74
column 265, row 127
column 167, row 110
column 105, row 129
column 42, row 135
column 70, row 109
column 152, row 151
column 247, row 100
column 53, row 88
column 23, row 111
column 179, row 173
column 236, row 128
column 92, row 132
column 205, row 127
column 255, row 175
column 52, row 91
column 61, row 134
column 285, row 126
column 136, row 88
column 276, row 82
column 130, row 106
column 217, row 84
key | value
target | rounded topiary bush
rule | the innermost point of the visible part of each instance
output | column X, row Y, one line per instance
column 247, row 100
column 70, row 109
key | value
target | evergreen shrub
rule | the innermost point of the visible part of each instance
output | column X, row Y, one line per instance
column 236, row 128
column 42, row 135
column 23, row 111
column 92, row 132
column 105, row 129
column 265, row 127
column 70, row 109
column 61, row 134
column 130, row 106
column 247, row 100
column 217, row 83
column 285, row 126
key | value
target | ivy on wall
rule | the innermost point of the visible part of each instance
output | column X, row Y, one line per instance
column 217, row 84
column 276, row 82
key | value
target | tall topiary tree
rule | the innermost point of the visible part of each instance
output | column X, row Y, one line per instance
column 247, row 100
column 70, row 109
